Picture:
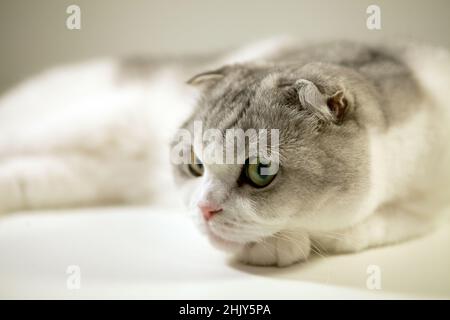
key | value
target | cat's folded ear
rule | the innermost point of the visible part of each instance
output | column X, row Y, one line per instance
column 207, row 78
column 329, row 108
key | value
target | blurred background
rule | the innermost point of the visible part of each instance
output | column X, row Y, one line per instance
column 33, row 34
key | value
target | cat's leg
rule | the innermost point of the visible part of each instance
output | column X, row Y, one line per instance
column 89, row 165
column 72, row 137
column 67, row 180
column 390, row 224
column 282, row 249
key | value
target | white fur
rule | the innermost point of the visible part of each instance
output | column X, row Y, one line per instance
column 75, row 129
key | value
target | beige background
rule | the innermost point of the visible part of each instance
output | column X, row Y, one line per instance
column 33, row 35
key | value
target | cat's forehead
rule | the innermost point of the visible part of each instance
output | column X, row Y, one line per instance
column 252, row 102
column 257, row 102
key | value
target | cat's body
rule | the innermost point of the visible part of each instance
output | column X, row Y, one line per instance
column 98, row 133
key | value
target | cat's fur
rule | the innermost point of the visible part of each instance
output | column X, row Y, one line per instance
column 96, row 133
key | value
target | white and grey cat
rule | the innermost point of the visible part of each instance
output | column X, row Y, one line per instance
column 363, row 146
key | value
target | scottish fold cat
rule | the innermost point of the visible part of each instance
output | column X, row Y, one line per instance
column 362, row 148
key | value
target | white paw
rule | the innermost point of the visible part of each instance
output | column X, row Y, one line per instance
column 280, row 250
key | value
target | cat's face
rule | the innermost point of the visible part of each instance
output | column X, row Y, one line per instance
column 319, row 157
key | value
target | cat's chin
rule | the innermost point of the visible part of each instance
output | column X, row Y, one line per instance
column 223, row 244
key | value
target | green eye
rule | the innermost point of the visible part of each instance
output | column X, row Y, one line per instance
column 254, row 175
column 196, row 166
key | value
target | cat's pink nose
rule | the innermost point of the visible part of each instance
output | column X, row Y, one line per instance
column 208, row 209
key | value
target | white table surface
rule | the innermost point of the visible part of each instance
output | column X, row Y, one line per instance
column 157, row 253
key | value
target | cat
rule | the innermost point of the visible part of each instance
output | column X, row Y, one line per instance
column 363, row 150
column 362, row 143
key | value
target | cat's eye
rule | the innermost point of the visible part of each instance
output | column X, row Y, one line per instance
column 254, row 174
column 196, row 166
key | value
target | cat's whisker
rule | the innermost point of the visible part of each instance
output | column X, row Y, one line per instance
column 294, row 241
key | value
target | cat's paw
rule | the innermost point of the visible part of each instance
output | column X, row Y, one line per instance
column 280, row 250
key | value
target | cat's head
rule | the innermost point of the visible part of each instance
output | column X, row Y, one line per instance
column 317, row 155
